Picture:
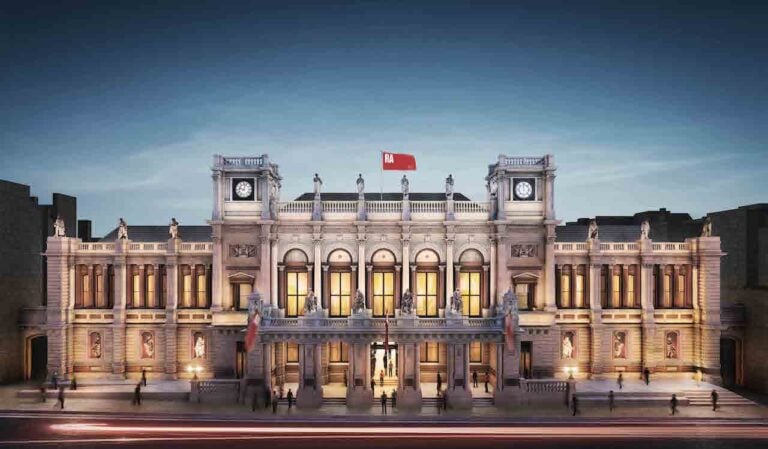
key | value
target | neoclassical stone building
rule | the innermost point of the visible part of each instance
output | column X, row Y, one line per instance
column 175, row 301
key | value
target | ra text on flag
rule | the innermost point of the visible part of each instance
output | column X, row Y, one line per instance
column 397, row 161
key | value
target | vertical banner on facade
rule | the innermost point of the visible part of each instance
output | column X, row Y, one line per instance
column 253, row 330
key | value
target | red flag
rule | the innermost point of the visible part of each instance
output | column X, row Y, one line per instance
column 398, row 161
column 253, row 330
column 509, row 331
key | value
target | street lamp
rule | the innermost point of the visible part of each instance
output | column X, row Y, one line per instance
column 194, row 370
column 570, row 370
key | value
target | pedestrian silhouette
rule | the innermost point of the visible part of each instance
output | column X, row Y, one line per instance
column 611, row 403
column 384, row 402
column 73, row 384
column 43, row 393
column 574, row 405
column 394, row 398
column 474, row 378
column 345, row 378
column 673, row 404
column 647, row 376
column 620, row 381
column 143, row 377
column 290, row 399
column 373, row 387
column 715, row 397
column 61, row 397
column 274, row 402
column 439, row 382
column 381, row 378
column 137, row 394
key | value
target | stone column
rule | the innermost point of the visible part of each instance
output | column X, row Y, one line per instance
column 406, row 260
column 273, row 273
column 493, row 281
column 361, row 265
column 118, row 311
column 310, row 392
column 549, row 179
column 217, row 291
column 507, row 391
column 408, row 382
column 549, row 270
column 317, row 282
column 358, row 387
column 708, row 329
column 172, row 273
column 449, row 284
column 458, row 390
column 596, row 319
column 217, row 197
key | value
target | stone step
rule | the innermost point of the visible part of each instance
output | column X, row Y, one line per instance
column 704, row 398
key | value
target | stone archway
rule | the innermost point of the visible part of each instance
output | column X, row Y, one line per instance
column 36, row 358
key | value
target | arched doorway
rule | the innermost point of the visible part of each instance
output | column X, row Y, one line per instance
column 37, row 357
column 730, row 362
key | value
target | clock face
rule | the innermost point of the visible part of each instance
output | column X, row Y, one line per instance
column 243, row 189
column 523, row 190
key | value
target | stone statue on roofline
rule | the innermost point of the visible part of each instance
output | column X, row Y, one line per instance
column 449, row 188
column 59, row 229
column 360, row 186
column 405, row 187
column 592, row 232
column 645, row 230
column 706, row 229
column 317, row 184
column 122, row 230
column 173, row 228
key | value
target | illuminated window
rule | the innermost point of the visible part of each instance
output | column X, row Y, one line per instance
column 383, row 293
column 616, row 288
column 100, row 298
column 292, row 353
column 470, row 292
column 604, row 302
column 579, row 293
column 86, row 283
column 150, row 279
column 524, row 293
column 297, row 288
column 136, row 289
column 202, row 287
column 565, row 287
column 340, row 293
column 426, row 293
column 429, row 352
column 630, row 290
column 338, row 352
column 475, row 352
column 680, row 288
column 186, row 296
column 667, row 301
column 240, row 293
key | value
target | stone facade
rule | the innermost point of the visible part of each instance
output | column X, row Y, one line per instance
column 582, row 307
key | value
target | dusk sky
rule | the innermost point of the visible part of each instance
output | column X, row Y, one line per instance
column 643, row 106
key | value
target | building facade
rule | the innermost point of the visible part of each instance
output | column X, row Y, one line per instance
column 175, row 301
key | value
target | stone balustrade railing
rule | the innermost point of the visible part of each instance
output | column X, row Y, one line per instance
column 544, row 386
column 521, row 161
column 429, row 207
column 583, row 247
column 383, row 207
column 145, row 247
column 379, row 323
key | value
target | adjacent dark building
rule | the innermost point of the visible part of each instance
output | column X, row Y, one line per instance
column 24, row 227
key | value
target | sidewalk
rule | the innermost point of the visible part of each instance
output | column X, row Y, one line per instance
column 9, row 401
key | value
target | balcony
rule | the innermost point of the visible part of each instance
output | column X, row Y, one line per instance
column 383, row 210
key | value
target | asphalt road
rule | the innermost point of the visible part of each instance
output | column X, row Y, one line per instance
column 19, row 430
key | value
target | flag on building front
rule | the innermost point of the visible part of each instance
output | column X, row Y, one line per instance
column 397, row 161
column 509, row 331
column 253, row 330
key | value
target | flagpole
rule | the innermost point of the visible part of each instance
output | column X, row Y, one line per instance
column 381, row 176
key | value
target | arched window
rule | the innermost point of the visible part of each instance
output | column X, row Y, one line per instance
column 241, row 286
column 427, row 289
column 525, row 290
column 383, row 283
column 471, row 282
column 339, row 283
column 296, row 282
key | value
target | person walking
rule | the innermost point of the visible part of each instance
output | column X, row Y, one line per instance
column 673, row 404
column 620, row 380
column 611, row 402
column 274, row 402
column 61, row 397
column 55, row 380
column 394, row 399
column 143, row 377
column 373, row 388
column 345, row 378
column 137, row 394
column 391, row 368
column 290, row 398
column 384, row 402
column 254, row 400
column 487, row 377
column 439, row 403
column 715, row 397
column 381, row 378
column 574, row 405
column 439, row 382
column 267, row 398
column 474, row 378
column 73, row 384
column 647, row 375
column 445, row 400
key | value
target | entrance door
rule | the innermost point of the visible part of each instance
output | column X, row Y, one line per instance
column 380, row 361
column 728, row 361
column 240, row 355
column 526, row 359
column 38, row 357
